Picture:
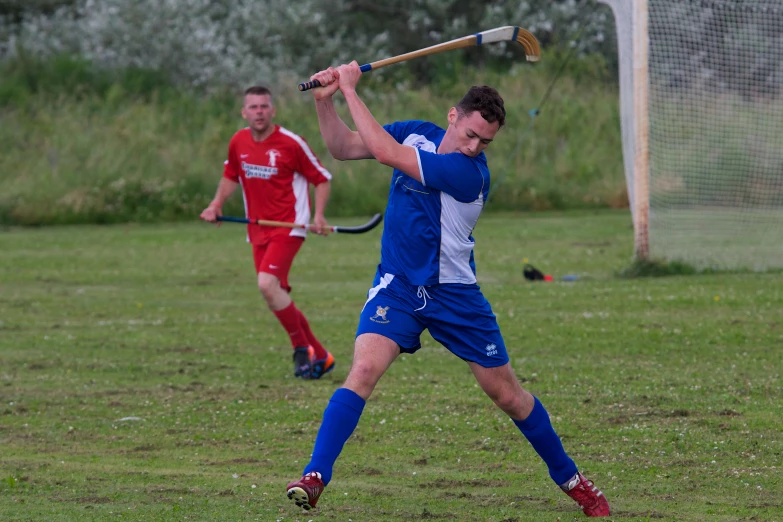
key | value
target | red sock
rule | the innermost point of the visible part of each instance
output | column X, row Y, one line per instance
column 289, row 318
column 320, row 351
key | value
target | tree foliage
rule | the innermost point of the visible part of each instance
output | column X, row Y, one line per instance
column 209, row 43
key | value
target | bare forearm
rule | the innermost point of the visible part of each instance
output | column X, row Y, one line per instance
column 379, row 142
column 342, row 142
column 333, row 128
column 322, row 192
column 226, row 187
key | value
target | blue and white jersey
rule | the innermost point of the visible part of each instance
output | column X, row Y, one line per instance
column 427, row 227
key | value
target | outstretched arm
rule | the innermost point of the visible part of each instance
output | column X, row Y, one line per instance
column 342, row 142
column 379, row 143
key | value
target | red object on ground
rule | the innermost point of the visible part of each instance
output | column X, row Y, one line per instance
column 548, row 278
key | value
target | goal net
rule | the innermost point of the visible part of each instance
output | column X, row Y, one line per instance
column 701, row 86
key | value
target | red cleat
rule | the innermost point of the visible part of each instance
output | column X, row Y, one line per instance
column 305, row 491
column 321, row 367
column 589, row 497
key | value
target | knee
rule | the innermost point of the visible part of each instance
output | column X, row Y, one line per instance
column 364, row 374
column 511, row 401
column 362, row 378
column 268, row 284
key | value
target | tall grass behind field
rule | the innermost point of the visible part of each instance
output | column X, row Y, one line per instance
column 74, row 149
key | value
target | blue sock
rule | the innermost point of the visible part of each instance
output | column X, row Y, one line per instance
column 340, row 419
column 538, row 430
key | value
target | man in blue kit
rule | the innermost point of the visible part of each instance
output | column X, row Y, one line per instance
column 426, row 277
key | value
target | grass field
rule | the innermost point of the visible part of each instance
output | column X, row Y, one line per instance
column 667, row 392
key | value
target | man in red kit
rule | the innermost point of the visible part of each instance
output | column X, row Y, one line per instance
column 274, row 167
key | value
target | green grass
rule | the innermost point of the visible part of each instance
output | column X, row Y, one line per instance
column 666, row 391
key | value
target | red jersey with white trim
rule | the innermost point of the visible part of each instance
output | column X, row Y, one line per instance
column 275, row 176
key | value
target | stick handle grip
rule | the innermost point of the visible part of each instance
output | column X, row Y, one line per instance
column 306, row 86
column 233, row 219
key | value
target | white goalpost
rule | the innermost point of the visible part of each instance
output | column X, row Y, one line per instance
column 701, row 95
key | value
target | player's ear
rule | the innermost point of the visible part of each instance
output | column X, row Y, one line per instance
column 453, row 115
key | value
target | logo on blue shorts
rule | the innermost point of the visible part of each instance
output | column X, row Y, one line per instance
column 380, row 315
column 492, row 349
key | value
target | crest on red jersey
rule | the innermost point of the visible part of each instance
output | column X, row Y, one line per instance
column 273, row 155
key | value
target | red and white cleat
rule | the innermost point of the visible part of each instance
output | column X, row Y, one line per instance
column 305, row 491
column 589, row 497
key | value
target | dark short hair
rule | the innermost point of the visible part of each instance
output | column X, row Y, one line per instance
column 259, row 90
column 487, row 101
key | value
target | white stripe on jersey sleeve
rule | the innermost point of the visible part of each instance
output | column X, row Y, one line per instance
column 418, row 141
column 421, row 170
column 309, row 153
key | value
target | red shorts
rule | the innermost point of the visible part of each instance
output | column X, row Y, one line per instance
column 276, row 257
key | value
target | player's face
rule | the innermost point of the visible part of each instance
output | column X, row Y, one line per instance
column 258, row 111
column 471, row 133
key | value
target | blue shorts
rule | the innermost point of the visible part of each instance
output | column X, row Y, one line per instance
column 457, row 316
